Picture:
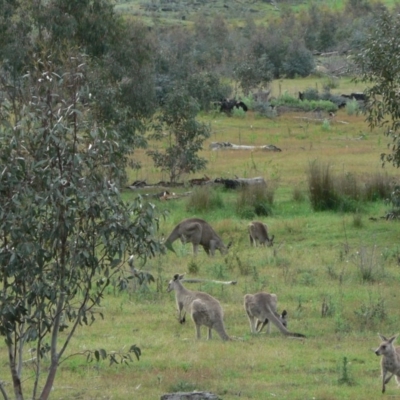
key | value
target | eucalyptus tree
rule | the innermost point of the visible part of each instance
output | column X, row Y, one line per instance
column 65, row 232
column 177, row 125
column 379, row 68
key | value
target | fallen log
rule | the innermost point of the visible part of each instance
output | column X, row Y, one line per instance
column 189, row 396
column 231, row 146
column 239, row 182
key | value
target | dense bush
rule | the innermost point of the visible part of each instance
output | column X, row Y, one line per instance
column 344, row 192
column 204, row 198
column 255, row 200
column 299, row 61
column 327, row 192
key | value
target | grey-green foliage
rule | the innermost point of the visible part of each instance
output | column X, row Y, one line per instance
column 206, row 88
column 64, row 230
column 299, row 61
column 253, row 71
column 185, row 136
column 379, row 67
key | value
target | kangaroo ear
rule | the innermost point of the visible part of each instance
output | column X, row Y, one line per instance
column 176, row 277
column 382, row 337
column 229, row 244
column 393, row 338
column 284, row 313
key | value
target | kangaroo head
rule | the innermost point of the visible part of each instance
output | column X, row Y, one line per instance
column 173, row 281
column 270, row 242
column 283, row 318
column 224, row 249
column 386, row 347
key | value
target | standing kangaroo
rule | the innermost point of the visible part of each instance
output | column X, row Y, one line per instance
column 390, row 363
column 204, row 309
column 261, row 309
column 258, row 231
column 198, row 232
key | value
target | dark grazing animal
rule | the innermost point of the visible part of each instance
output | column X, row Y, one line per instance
column 227, row 106
column 199, row 233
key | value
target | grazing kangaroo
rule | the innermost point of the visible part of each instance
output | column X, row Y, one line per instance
column 204, row 309
column 390, row 363
column 258, row 231
column 198, row 232
column 261, row 309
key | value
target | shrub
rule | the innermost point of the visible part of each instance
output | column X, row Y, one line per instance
column 326, row 125
column 321, row 187
column 378, row 187
column 204, row 198
column 311, row 94
column 368, row 265
column 371, row 313
column 193, row 267
column 328, row 192
column 352, row 107
column 238, row 113
column 254, row 200
column 264, row 109
column 299, row 61
column 331, row 83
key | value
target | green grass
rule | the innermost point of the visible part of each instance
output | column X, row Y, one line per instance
column 317, row 262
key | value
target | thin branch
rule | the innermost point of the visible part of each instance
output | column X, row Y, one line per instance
column 3, row 391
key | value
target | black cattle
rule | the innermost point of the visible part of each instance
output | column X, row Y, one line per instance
column 355, row 96
column 227, row 106
column 358, row 96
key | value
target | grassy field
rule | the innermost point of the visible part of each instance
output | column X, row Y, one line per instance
column 317, row 262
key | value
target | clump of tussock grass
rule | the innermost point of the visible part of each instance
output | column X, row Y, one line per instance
column 238, row 113
column 328, row 191
column 183, row 386
column 204, row 198
column 298, row 195
column 378, row 186
column 321, row 186
column 193, row 267
column 371, row 313
column 368, row 266
column 352, row 107
column 255, row 200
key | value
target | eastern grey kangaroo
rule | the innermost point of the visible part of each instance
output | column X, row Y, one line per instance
column 198, row 232
column 204, row 309
column 258, row 232
column 390, row 363
column 261, row 310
